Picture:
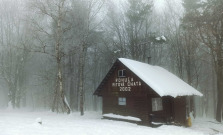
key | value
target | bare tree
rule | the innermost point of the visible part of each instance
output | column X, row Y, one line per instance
column 85, row 25
column 54, row 13
column 13, row 60
column 207, row 23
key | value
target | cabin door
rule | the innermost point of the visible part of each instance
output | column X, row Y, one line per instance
column 168, row 108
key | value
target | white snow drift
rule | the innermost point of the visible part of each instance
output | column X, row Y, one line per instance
column 24, row 123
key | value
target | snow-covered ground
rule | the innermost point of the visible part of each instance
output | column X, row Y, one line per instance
column 208, row 126
column 27, row 123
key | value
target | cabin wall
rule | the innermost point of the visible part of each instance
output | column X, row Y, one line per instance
column 130, row 85
column 138, row 98
column 180, row 110
column 168, row 111
column 135, row 106
column 137, row 93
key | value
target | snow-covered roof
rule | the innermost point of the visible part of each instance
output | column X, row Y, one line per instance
column 160, row 80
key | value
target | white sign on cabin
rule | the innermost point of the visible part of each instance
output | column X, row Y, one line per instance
column 125, row 84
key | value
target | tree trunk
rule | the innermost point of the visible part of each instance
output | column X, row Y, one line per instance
column 219, row 102
column 72, row 96
column 59, row 81
column 12, row 96
column 54, row 100
column 81, row 79
column 62, row 95
column 219, row 72
column 219, row 96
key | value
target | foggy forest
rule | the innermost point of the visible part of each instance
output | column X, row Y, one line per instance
column 55, row 53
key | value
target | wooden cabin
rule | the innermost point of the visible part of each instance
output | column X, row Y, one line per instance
column 143, row 91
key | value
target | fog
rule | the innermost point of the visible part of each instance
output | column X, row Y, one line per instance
column 54, row 54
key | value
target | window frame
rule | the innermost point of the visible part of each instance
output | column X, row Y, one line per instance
column 122, row 101
column 122, row 73
column 157, row 104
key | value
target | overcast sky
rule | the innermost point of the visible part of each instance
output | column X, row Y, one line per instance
column 159, row 4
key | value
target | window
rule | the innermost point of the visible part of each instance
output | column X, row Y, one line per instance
column 157, row 104
column 122, row 73
column 121, row 101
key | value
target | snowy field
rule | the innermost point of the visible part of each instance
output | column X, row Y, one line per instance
column 26, row 123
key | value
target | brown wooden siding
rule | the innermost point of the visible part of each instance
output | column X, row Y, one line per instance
column 138, row 99
column 180, row 110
